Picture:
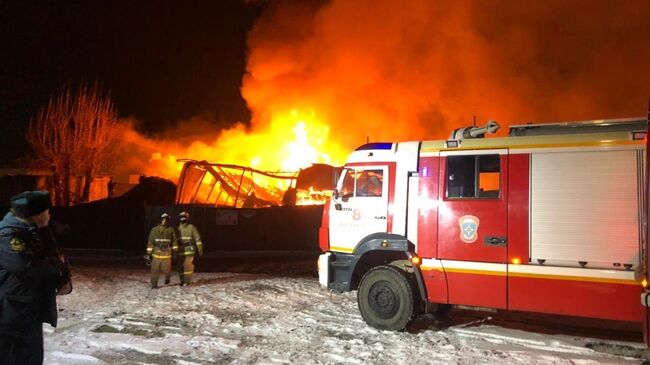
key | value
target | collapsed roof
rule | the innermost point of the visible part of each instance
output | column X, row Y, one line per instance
column 202, row 182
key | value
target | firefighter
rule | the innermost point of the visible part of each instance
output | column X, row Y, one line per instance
column 161, row 248
column 190, row 243
column 32, row 273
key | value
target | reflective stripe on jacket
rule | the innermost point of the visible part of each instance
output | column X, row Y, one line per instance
column 162, row 241
column 189, row 238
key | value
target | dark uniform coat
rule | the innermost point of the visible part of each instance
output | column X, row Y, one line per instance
column 30, row 273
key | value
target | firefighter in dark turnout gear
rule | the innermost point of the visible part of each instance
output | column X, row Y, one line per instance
column 161, row 247
column 190, row 243
column 32, row 272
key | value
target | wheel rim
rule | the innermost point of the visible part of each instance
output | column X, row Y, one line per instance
column 383, row 300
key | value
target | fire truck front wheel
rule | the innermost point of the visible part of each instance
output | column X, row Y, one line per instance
column 385, row 298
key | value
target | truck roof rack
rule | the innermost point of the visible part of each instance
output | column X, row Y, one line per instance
column 590, row 126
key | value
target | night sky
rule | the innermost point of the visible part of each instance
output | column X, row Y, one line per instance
column 401, row 70
column 162, row 61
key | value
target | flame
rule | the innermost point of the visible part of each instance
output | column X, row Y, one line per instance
column 293, row 139
column 312, row 197
column 323, row 77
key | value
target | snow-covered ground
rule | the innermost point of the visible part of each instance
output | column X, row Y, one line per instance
column 112, row 317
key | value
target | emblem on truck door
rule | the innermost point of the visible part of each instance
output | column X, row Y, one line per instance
column 468, row 228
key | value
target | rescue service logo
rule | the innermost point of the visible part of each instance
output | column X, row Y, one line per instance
column 468, row 228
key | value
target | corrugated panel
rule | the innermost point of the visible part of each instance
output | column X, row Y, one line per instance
column 584, row 207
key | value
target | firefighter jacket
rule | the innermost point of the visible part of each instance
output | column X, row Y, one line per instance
column 190, row 240
column 30, row 273
column 162, row 242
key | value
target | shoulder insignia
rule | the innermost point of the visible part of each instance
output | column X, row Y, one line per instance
column 17, row 245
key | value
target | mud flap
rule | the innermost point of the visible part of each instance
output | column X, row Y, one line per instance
column 645, row 302
column 324, row 269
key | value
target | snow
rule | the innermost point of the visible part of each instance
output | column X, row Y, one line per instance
column 112, row 317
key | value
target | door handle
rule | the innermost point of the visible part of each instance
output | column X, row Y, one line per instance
column 495, row 241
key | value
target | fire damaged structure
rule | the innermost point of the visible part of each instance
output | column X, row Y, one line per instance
column 226, row 185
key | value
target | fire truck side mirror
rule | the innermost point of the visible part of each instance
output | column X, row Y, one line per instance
column 337, row 197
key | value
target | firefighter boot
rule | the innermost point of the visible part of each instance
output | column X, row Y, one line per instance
column 187, row 278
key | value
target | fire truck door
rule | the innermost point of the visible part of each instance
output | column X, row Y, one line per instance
column 360, row 206
column 472, row 231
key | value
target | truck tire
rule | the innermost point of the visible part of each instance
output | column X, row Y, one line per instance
column 385, row 298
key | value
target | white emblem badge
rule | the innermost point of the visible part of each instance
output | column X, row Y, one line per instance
column 468, row 228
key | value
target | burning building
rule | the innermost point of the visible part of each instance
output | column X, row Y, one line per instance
column 324, row 77
column 216, row 184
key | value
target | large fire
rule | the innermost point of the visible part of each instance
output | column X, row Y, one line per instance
column 323, row 77
column 293, row 140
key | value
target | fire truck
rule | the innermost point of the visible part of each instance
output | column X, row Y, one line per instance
column 550, row 218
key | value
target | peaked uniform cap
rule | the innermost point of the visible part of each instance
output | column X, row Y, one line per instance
column 164, row 215
column 30, row 203
column 184, row 214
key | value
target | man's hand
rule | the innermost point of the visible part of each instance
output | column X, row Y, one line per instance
column 147, row 259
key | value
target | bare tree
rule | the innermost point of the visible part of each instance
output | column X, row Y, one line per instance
column 74, row 134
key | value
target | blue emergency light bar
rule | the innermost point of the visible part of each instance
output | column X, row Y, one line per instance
column 376, row 146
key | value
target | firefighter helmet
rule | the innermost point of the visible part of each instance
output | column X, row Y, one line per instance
column 185, row 215
column 165, row 215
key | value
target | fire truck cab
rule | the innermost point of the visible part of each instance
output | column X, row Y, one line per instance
column 551, row 218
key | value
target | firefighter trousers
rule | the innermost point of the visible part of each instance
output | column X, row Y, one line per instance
column 185, row 267
column 159, row 266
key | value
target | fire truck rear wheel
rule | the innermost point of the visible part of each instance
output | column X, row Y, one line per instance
column 385, row 298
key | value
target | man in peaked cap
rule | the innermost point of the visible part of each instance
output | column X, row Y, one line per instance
column 32, row 273
column 161, row 247
column 190, row 242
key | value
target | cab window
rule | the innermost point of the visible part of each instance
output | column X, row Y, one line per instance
column 473, row 177
column 370, row 183
column 362, row 183
column 347, row 185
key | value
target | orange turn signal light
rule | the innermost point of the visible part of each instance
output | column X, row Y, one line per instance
column 416, row 260
column 644, row 283
column 516, row 261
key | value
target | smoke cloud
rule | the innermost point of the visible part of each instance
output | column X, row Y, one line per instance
column 388, row 70
column 391, row 70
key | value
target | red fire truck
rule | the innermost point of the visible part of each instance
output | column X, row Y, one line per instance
column 550, row 218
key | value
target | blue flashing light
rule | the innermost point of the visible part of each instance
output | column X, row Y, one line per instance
column 376, row 146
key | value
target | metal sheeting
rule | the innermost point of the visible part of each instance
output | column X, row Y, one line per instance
column 236, row 186
column 126, row 226
column 264, row 229
column 584, row 208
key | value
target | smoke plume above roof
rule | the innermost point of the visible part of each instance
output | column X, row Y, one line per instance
column 394, row 70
